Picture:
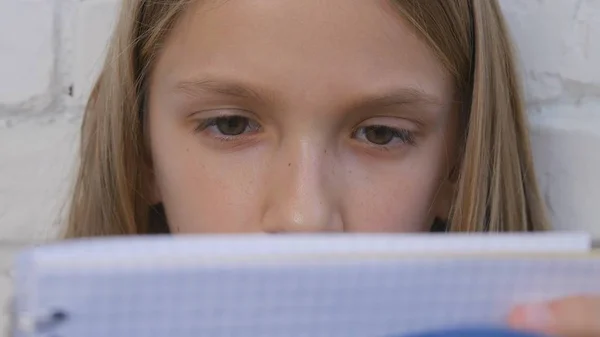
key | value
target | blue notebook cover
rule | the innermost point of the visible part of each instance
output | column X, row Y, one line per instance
column 350, row 286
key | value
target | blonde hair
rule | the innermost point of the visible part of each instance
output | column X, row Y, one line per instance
column 495, row 189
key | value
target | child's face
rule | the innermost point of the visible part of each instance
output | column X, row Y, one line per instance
column 300, row 116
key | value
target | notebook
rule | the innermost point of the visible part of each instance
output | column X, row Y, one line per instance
column 297, row 285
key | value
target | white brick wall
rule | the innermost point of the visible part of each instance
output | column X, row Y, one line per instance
column 50, row 50
column 29, row 82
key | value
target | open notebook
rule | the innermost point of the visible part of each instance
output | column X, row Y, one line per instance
column 334, row 286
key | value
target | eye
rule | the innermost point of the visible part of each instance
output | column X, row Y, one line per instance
column 228, row 126
column 381, row 135
column 232, row 126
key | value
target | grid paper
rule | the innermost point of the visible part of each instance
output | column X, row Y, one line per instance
column 332, row 295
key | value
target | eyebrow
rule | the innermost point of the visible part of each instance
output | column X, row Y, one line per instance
column 406, row 96
column 401, row 96
column 232, row 89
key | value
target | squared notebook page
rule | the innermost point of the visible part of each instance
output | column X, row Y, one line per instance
column 291, row 286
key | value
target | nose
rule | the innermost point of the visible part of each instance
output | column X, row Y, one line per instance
column 302, row 192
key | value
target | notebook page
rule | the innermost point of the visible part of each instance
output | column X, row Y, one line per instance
column 335, row 296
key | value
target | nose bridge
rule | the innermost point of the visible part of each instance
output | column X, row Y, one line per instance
column 302, row 201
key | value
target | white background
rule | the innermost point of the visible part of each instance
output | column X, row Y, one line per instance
column 51, row 49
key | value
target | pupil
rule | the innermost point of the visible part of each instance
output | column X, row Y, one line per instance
column 232, row 126
column 379, row 135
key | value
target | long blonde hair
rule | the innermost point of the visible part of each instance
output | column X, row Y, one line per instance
column 495, row 189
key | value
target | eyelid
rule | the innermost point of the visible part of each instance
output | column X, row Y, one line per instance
column 407, row 131
column 223, row 112
column 405, row 135
column 206, row 122
column 390, row 122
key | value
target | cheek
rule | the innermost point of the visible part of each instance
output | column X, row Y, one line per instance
column 202, row 192
column 401, row 196
column 399, row 201
column 206, row 191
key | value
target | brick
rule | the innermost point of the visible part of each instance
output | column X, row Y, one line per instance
column 94, row 22
column 36, row 168
column 7, row 253
column 26, row 44
column 565, row 142
column 558, row 47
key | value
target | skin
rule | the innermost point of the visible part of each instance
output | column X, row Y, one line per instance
column 576, row 316
column 310, row 116
column 316, row 91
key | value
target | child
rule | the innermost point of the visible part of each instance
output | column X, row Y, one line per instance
column 308, row 116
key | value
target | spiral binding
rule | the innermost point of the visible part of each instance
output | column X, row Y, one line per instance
column 23, row 323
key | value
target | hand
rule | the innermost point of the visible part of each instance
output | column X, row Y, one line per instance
column 568, row 317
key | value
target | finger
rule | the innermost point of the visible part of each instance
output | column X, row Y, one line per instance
column 569, row 317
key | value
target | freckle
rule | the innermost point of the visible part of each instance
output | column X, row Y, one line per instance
column 289, row 164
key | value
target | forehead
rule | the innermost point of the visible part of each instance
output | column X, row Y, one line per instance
column 306, row 47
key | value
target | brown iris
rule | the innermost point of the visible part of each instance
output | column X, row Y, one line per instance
column 379, row 135
column 232, row 126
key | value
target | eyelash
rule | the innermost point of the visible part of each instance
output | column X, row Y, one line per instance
column 403, row 135
column 207, row 123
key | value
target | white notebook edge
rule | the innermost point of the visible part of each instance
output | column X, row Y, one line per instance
column 179, row 251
